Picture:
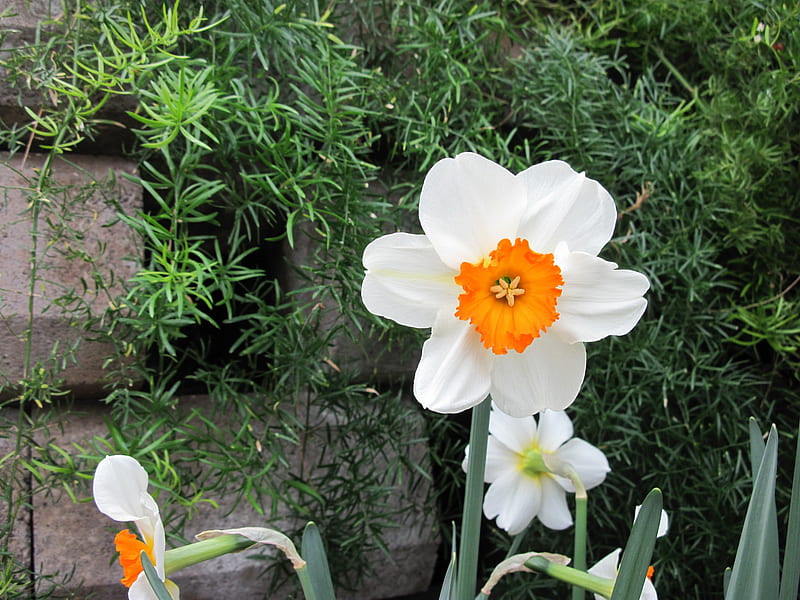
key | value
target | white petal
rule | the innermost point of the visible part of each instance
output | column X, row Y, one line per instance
column 159, row 545
column 406, row 281
column 514, row 499
column 648, row 591
column 597, row 299
column 607, row 566
column 454, row 371
column 141, row 590
column 467, row 205
column 663, row 523
column 553, row 512
column 514, row 433
column 565, row 206
column 589, row 462
column 549, row 374
column 555, row 428
column 499, row 459
column 120, row 489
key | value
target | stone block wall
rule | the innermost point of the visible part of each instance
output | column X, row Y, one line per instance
column 54, row 532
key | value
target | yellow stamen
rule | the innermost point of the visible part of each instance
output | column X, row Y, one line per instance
column 507, row 290
column 528, row 281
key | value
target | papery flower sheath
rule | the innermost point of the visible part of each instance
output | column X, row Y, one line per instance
column 120, row 492
column 508, row 279
column 608, row 566
column 522, row 486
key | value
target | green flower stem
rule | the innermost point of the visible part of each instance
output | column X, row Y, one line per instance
column 581, row 502
column 596, row 585
column 579, row 558
column 467, row 572
column 191, row 554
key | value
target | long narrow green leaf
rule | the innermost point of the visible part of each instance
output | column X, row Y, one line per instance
column 791, row 555
column 153, row 579
column 756, row 447
column 449, row 589
column 639, row 549
column 313, row 552
column 755, row 569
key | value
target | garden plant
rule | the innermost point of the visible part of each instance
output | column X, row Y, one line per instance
column 560, row 237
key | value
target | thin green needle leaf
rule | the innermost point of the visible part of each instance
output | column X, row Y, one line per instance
column 313, row 552
column 153, row 579
column 755, row 569
column 639, row 549
column 791, row 556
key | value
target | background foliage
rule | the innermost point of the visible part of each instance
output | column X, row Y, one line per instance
column 265, row 128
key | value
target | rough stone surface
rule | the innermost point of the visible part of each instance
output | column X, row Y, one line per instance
column 57, row 519
column 79, row 234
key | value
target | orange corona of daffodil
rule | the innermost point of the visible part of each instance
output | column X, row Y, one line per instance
column 508, row 279
column 120, row 492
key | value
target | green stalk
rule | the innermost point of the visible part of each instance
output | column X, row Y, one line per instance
column 579, row 557
column 593, row 583
column 191, row 554
column 473, row 499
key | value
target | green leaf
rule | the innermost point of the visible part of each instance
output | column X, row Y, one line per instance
column 791, row 554
column 449, row 587
column 639, row 549
column 756, row 447
column 153, row 579
column 313, row 552
column 755, row 569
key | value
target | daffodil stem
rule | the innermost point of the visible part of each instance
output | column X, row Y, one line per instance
column 593, row 583
column 467, row 572
column 191, row 554
column 579, row 553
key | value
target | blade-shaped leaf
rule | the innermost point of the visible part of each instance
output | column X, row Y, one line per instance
column 448, row 591
column 313, row 551
column 639, row 549
column 755, row 569
column 756, row 447
column 153, row 579
column 791, row 555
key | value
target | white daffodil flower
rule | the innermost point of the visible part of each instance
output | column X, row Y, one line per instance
column 522, row 486
column 508, row 278
column 608, row 566
column 120, row 492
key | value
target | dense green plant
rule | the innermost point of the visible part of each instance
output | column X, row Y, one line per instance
column 272, row 131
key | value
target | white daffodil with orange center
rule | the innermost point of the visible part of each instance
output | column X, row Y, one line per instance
column 120, row 492
column 608, row 566
column 522, row 485
column 508, row 279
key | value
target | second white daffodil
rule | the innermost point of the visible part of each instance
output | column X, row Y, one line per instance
column 508, row 278
column 522, row 485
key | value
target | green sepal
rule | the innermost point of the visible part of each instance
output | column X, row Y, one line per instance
column 755, row 569
column 639, row 549
column 313, row 551
column 153, row 579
